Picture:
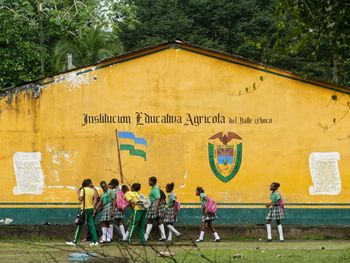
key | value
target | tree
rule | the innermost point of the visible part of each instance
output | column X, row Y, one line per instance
column 241, row 27
column 22, row 53
column 318, row 31
column 31, row 28
column 86, row 48
column 154, row 22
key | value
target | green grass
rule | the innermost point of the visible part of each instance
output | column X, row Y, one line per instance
column 184, row 251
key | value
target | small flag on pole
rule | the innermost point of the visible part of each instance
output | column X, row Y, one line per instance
column 135, row 145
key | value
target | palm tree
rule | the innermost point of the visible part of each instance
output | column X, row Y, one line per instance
column 86, row 48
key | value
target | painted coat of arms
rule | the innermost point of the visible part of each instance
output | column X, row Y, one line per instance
column 225, row 155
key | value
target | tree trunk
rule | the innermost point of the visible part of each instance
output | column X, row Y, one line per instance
column 336, row 71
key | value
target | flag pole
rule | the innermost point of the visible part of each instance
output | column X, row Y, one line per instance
column 120, row 161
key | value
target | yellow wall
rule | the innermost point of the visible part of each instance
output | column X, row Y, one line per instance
column 175, row 82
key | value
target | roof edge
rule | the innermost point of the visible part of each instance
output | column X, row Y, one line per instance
column 176, row 43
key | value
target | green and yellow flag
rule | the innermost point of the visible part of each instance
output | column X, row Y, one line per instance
column 135, row 145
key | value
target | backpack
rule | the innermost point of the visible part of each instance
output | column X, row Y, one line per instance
column 121, row 202
column 281, row 204
column 177, row 206
column 162, row 196
column 211, row 205
column 143, row 202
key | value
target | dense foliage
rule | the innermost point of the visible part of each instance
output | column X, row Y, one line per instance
column 318, row 34
column 311, row 38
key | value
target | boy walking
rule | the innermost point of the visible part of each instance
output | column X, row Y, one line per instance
column 138, row 218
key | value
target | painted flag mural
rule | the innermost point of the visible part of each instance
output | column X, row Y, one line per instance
column 129, row 142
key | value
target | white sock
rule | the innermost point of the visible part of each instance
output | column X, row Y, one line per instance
column 170, row 236
column 201, row 235
column 110, row 233
column 122, row 231
column 148, row 231
column 172, row 228
column 216, row 235
column 126, row 235
column 268, row 228
column 104, row 233
column 280, row 231
column 162, row 231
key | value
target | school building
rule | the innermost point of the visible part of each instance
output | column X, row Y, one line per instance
column 185, row 114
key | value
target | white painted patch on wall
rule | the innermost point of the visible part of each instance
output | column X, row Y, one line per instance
column 75, row 81
column 184, row 184
column 325, row 174
column 29, row 175
column 6, row 221
column 60, row 156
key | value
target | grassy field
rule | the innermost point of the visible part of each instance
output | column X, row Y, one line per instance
column 235, row 251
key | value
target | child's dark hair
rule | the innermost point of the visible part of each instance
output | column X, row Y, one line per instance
column 170, row 187
column 200, row 189
column 114, row 182
column 276, row 184
column 86, row 183
column 136, row 187
column 103, row 183
column 125, row 188
column 153, row 179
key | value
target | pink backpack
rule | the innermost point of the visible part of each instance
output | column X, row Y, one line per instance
column 121, row 202
column 176, row 206
column 211, row 205
column 281, row 203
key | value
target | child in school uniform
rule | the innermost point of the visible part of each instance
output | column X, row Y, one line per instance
column 113, row 192
column 207, row 217
column 121, row 204
column 170, row 215
column 87, row 196
column 156, row 211
column 105, row 203
column 138, row 217
column 275, row 213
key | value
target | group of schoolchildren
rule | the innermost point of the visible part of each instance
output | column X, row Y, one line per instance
column 114, row 201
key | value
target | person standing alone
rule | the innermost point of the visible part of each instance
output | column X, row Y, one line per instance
column 207, row 216
column 276, row 212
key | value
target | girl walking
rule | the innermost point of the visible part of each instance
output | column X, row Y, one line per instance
column 170, row 214
column 275, row 213
column 105, row 203
column 121, row 205
column 207, row 217
column 113, row 192
column 156, row 211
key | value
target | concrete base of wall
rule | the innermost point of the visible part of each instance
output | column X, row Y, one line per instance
column 236, row 232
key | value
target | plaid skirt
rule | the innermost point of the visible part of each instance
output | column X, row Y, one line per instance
column 106, row 212
column 169, row 216
column 275, row 213
column 118, row 214
column 209, row 217
column 153, row 213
